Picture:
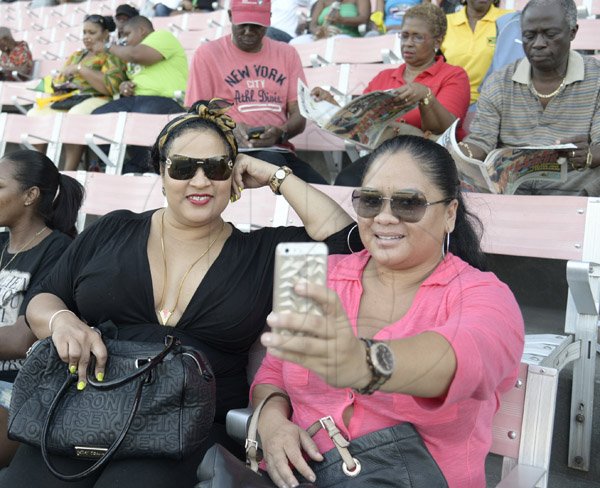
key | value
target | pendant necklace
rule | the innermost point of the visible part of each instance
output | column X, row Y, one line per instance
column 165, row 313
column 23, row 247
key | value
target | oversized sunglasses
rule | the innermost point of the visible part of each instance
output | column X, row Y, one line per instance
column 408, row 206
column 217, row 168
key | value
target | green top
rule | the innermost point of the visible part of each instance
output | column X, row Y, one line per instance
column 164, row 78
column 346, row 10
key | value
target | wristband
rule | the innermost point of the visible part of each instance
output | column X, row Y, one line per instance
column 55, row 314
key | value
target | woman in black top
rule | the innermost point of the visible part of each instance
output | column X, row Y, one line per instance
column 39, row 207
column 180, row 270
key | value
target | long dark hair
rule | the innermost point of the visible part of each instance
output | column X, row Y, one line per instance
column 437, row 164
column 57, row 210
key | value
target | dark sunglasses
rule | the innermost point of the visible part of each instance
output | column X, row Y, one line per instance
column 408, row 206
column 217, row 168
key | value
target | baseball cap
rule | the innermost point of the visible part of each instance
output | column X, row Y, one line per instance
column 127, row 10
column 251, row 12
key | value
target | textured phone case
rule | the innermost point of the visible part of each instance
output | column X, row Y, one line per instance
column 289, row 270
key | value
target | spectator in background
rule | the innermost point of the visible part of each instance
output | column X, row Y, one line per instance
column 334, row 18
column 260, row 77
column 471, row 39
column 16, row 62
column 550, row 96
column 39, row 208
column 509, row 45
column 286, row 19
column 96, row 73
column 124, row 13
column 440, row 90
column 391, row 12
column 157, row 71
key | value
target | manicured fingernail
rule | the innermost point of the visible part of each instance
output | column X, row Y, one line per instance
column 81, row 385
column 266, row 339
column 240, row 188
column 72, row 369
column 100, row 376
column 273, row 318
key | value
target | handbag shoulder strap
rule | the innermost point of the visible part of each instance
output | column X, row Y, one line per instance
column 350, row 464
column 251, row 442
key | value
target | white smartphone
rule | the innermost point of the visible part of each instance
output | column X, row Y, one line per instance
column 295, row 261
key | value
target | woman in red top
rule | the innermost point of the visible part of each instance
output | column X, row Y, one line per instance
column 441, row 90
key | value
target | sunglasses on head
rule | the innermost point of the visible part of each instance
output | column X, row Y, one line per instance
column 217, row 168
column 408, row 206
column 96, row 19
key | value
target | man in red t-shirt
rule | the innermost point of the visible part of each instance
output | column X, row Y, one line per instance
column 15, row 61
column 260, row 77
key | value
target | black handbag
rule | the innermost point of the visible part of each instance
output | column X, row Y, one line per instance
column 157, row 401
column 70, row 102
column 395, row 457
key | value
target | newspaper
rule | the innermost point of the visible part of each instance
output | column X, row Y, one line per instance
column 362, row 121
column 505, row 169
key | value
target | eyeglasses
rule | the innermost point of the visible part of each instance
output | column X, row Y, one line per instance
column 217, row 168
column 408, row 206
column 416, row 38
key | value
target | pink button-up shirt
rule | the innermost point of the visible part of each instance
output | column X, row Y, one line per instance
column 478, row 316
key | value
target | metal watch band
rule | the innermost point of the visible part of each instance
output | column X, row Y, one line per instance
column 276, row 180
column 377, row 378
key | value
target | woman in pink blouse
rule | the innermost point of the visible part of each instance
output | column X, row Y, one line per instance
column 414, row 333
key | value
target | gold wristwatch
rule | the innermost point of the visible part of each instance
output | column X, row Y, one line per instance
column 277, row 179
column 380, row 359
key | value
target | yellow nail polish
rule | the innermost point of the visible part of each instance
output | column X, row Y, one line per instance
column 72, row 369
column 100, row 376
column 81, row 385
column 231, row 199
column 240, row 188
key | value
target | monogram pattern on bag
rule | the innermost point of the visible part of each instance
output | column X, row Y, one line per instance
column 175, row 414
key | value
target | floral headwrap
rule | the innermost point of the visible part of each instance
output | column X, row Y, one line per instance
column 213, row 111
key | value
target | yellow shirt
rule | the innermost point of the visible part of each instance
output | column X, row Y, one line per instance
column 473, row 51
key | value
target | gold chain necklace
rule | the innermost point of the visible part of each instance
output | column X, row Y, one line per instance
column 164, row 313
column 37, row 234
column 549, row 95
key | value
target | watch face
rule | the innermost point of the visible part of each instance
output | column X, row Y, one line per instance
column 383, row 358
column 280, row 174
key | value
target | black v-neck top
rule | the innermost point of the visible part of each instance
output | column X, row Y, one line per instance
column 105, row 275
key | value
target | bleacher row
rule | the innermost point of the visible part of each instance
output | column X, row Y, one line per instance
column 346, row 65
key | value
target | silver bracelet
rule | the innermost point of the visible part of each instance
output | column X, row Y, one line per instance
column 54, row 315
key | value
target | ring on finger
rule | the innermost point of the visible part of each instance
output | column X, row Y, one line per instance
column 588, row 159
